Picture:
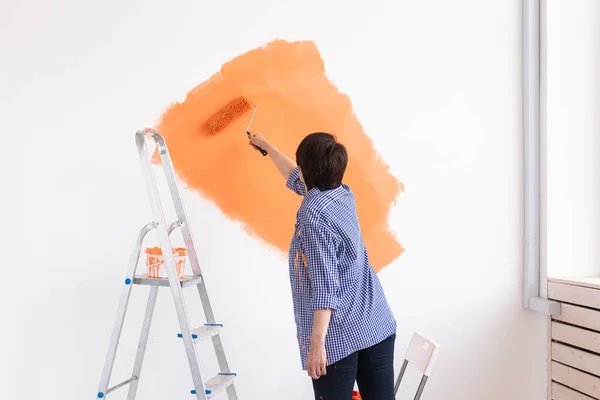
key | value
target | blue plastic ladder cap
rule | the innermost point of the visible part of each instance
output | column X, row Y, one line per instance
column 206, row 391
column 194, row 336
column 100, row 395
column 128, row 281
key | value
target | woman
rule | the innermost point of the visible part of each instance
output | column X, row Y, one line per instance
column 346, row 330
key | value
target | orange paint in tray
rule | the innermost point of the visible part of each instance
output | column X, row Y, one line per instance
column 155, row 263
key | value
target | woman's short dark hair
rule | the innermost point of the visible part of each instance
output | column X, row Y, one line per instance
column 322, row 161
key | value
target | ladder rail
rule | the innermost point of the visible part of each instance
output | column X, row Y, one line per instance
column 179, row 209
column 173, row 188
column 143, row 341
column 165, row 244
column 122, row 309
column 120, row 385
column 187, row 236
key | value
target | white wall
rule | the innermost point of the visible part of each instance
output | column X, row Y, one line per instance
column 435, row 83
column 573, row 137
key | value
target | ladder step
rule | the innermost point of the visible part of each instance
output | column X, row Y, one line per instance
column 216, row 385
column 186, row 281
column 204, row 332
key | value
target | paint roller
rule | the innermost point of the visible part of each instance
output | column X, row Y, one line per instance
column 229, row 113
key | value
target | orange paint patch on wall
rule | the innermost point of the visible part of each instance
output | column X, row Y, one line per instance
column 287, row 82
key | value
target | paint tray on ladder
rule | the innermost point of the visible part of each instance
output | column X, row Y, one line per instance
column 155, row 263
column 156, row 274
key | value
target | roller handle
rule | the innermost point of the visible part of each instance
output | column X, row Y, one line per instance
column 262, row 151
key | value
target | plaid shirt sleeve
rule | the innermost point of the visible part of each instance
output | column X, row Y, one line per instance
column 319, row 247
column 294, row 183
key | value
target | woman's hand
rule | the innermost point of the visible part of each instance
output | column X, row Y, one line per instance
column 284, row 164
column 316, row 361
column 257, row 139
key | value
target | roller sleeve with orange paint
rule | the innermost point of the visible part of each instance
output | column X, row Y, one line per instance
column 230, row 112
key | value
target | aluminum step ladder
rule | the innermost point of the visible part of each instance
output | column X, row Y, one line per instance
column 224, row 381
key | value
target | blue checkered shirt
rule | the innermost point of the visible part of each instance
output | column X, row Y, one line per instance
column 330, row 269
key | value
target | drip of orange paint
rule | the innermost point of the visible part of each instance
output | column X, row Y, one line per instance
column 297, row 269
column 287, row 82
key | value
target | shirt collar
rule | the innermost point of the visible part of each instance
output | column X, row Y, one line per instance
column 331, row 193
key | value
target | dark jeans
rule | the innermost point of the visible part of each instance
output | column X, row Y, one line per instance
column 372, row 368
